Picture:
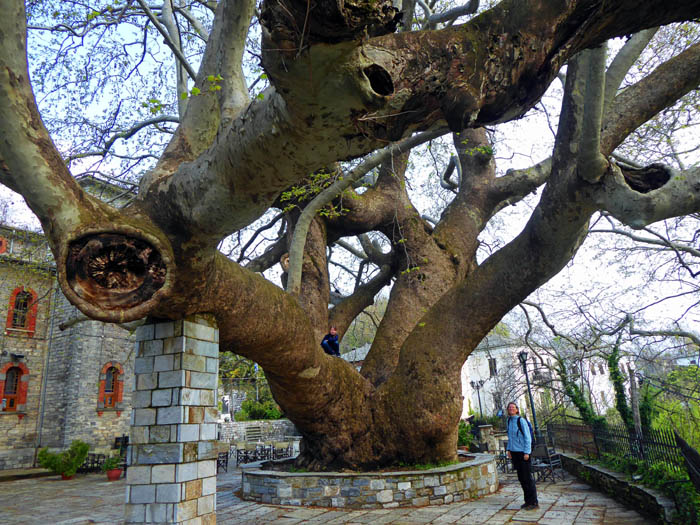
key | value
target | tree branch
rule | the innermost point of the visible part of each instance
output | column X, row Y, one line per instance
column 591, row 163
column 296, row 250
column 622, row 63
column 126, row 134
column 454, row 13
column 174, row 46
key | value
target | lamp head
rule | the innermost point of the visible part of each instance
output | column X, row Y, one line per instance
column 523, row 357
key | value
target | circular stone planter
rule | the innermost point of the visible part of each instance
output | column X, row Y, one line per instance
column 372, row 490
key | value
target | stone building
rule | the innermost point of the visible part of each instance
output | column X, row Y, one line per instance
column 56, row 384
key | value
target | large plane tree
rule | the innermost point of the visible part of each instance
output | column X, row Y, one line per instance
column 349, row 81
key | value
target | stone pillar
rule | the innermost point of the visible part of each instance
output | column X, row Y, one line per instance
column 172, row 452
column 487, row 441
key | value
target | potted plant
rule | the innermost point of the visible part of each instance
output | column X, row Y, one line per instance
column 112, row 466
column 65, row 463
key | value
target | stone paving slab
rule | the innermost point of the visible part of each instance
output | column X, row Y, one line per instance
column 90, row 499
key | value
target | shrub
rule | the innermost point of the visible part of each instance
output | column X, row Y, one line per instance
column 67, row 462
column 251, row 410
column 464, row 435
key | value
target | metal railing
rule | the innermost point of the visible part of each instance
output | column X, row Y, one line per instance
column 652, row 446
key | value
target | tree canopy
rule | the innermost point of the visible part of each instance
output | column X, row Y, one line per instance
column 322, row 156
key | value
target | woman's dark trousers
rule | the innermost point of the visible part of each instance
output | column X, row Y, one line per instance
column 522, row 467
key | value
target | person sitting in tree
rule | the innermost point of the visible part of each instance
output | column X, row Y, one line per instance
column 330, row 343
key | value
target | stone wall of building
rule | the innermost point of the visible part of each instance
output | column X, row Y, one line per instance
column 62, row 404
column 76, row 357
column 19, row 430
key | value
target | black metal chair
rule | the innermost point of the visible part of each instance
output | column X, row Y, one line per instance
column 222, row 462
column 546, row 464
column 121, row 444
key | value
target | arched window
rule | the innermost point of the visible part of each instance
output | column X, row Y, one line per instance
column 111, row 388
column 11, row 388
column 14, row 380
column 21, row 315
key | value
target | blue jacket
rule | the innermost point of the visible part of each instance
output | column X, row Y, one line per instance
column 518, row 441
column 330, row 345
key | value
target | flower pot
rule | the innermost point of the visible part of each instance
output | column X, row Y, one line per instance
column 63, row 476
column 114, row 474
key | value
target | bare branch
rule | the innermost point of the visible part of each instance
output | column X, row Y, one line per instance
column 467, row 9
column 296, row 250
column 124, row 135
column 174, row 46
column 623, row 62
column 591, row 163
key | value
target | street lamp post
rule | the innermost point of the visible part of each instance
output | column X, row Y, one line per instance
column 523, row 359
column 477, row 386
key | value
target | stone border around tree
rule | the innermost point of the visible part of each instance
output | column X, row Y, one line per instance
column 642, row 499
column 372, row 490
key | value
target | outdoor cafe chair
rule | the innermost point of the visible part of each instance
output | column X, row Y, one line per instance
column 546, row 464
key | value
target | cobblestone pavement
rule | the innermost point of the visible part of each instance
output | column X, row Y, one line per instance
column 90, row 499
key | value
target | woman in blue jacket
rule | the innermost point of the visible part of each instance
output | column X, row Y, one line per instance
column 519, row 449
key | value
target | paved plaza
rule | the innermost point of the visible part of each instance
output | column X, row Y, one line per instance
column 90, row 499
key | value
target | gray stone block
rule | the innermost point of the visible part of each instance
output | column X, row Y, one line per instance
column 185, row 472
column 153, row 454
column 162, row 397
column 207, row 431
column 174, row 345
column 168, row 493
column 156, row 513
column 170, row 415
column 163, row 474
column 202, row 348
column 203, row 380
column 207, row 450
column 175, row 378
column 146, row 381
column 163, row 363
column 190, row 397
column 138, row 475
column 144, row 416
column 134, row 513
column 144, row 332
column 160, row 433
column 209, row 486
column 143, row 365
column 188, row 433
column 206, row 468
column 142, row 494
column 141, row 399
column 152, row 347
column 169, row 329
column 199, row 331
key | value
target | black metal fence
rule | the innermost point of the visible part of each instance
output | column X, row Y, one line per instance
column 652, row 446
